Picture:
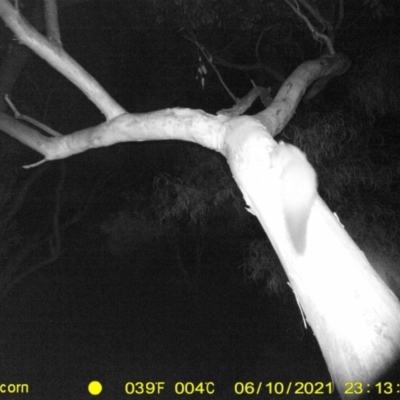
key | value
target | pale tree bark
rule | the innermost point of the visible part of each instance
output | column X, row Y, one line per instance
column 17, row 54
column 353, row 314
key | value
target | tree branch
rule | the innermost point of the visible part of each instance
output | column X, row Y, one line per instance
column 33, row 121
column 293, row 4
column 250, row 67
column 52, row 26
column 210, row 61
column 59, row 60
column 170, row 124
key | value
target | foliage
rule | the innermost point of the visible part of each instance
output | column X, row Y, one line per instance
column 262, row 265
column 202, row 186
column 133, row 226
column 335, row 147
column 375, row 86
column 209, row 15
column 378, row 8
column 130, row 229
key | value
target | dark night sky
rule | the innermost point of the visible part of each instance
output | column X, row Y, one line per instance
column 93, row 316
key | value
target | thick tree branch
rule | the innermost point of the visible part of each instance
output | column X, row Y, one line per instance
column 171, row 124
column 279, row 113
column 59, row 60
column 178, row 124
column 17, row 54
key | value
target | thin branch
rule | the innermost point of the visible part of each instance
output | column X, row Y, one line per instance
column 294, row 5
column 243, row 104
column 52, row 26
column 341, row 16
column 34, row 122
column 250, row 67
column 327, row 25
column 15, row 271
column 10, row 69
column 23, row 133
column 56, row 245
column 258, row 43
column 18, row 201
column 210, row 61
column 315, row 13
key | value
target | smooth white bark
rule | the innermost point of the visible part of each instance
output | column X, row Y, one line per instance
column 353, row 314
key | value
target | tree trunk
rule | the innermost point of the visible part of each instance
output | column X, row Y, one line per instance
column 353, row 314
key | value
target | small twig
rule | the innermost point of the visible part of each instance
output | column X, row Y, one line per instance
column 259, row 41
column 316, row 14
column 210, row 61
column 258, row 44
column 32, row 121
column 243, row 104
column 294, row 5
column 34, row 165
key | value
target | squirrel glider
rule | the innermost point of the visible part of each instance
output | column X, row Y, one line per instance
column 298, row 190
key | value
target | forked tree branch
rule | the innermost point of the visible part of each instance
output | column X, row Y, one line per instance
column 31, row 120
column 59, row 60
column 294, row 5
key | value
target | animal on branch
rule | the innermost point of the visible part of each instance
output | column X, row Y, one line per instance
column 298, row 190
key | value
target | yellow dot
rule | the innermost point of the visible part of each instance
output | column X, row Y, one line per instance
column 95, row 388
